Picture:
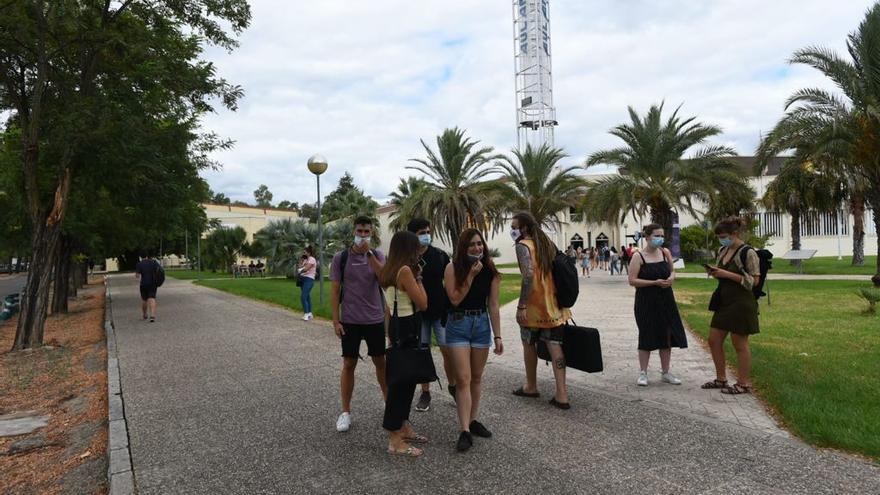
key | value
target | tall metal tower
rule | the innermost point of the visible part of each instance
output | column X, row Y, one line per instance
column 535, row 113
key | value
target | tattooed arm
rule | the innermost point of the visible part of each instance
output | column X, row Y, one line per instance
column 525, row 268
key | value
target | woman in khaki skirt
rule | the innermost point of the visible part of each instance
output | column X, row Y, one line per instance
column 734, row 304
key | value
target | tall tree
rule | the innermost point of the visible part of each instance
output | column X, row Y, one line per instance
column 222, row 247
column 840, row 129
column 456, row 194
column 801, row 187
column 655, row 175
column 534, row 181
column 263, row 196
column 55, row 57
column 407, row 201
column 288, row 205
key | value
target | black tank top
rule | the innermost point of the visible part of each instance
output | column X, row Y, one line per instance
column 477, row 297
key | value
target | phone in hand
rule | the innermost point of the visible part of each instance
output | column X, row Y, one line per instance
column 708, row 267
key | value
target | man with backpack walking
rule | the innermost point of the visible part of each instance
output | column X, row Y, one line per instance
column 358, row 309
column 151, row 276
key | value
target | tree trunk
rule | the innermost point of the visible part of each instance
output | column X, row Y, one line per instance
column 857, row 206
column 795, row 233
column 35, row 299
column 876, row 277
column 61, row 278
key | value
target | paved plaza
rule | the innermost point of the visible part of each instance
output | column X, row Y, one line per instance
column 227, row 395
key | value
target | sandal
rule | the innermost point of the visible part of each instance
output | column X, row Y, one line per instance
column 408, row 452
column 737, row 389
column 416, row 439
column 522, row 393
column 560, row 405
column 716, row 383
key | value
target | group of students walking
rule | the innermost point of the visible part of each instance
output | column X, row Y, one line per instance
column 603, row 257
column 455, row 301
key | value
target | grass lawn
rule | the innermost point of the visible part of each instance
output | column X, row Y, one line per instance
column 820, row 265
column 815, row 361
column 285, row 293
column 195, row 275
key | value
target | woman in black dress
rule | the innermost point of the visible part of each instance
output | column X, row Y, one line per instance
column 660, row 328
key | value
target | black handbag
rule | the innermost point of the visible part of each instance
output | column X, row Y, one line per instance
column 715, row 300
column 405, row 361
column 581, row 346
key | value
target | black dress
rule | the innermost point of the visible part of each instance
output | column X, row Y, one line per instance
column 657, row 315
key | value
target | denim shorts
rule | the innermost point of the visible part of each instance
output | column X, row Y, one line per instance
column 468, row 331
column 439, row 331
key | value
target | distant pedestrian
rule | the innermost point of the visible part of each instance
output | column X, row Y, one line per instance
column 734, row 304
column 615, row 259
column 401, row 280
column 652, row 273
column 624, row 259
column 433, row 263
column 594, row 258
column 473, row 285
column 584, row 262
column 358, row 311
column 308, row 269
column 537, row 312
column 147, row 272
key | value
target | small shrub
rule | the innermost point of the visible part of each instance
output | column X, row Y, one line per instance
column 871, row 296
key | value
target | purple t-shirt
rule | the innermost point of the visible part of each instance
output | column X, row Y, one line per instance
column 362, row 300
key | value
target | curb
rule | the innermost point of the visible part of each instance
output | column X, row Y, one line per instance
column 119, row 473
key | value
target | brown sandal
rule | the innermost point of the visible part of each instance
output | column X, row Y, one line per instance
column 416, row 439
column 716, row 383
column 737, row 389
column 408, row 452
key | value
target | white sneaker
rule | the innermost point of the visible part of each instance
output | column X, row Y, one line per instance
column 307, row 316
column 643, row 379
column 670, row 378
column 311, row 316
column 344, row 422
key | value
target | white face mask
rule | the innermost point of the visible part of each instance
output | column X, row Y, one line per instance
column 359, row 241
column 515, row 234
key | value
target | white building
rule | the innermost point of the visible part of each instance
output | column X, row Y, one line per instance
column 819, row 231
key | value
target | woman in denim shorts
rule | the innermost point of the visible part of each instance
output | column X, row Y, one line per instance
column 474, row 322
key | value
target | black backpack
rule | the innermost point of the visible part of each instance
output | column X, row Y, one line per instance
column 160, row 275
column 765, row 263
column 565, row 279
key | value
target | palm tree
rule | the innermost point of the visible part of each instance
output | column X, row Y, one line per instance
column 841, row 130
column 654, row 176
column 534, row 182
column 282, row 242
column 801, row 187
column 455, row 197
column 407, row 201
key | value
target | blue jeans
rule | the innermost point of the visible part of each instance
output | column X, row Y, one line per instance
column 306, row 294
column 469, row 331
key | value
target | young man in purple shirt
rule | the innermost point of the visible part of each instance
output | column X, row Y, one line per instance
column 358, row 311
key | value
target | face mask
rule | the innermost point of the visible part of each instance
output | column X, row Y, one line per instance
column 425, row 239
column 514, row 234
column 358, row 241
column 657, row 241
column 726, row 242
column 475, row 257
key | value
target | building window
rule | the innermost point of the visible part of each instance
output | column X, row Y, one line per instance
column 817, row 224
column 575, row 216
column 769, row 223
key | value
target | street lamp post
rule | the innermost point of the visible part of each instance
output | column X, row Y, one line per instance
column 318, row 165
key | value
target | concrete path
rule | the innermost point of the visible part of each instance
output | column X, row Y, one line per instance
column 228, row 395
column 790, row 276
column 10, row 284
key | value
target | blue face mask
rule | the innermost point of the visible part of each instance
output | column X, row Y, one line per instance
column 475, row 257
column 358, row 240
column 657, row 241
column 425, row 239
column 726, row 242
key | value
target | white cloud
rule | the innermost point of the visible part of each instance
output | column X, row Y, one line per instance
column 362, row 82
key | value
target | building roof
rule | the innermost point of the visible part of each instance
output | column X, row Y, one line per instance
column 229, row 207
column 747, row 165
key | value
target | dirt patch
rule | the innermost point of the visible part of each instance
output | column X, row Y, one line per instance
column 65, row 380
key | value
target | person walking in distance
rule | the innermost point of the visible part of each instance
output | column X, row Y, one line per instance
column 401, row 280
column 433, row 262
column 624, row 259
column 358, row 311
column 737, row 270
column 660, row 328
column 147, row 272
column 584, row 258
column 308, row 267
column 537, row 312
column 473, row 285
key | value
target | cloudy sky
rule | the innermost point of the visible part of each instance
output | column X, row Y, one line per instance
column 362, row 81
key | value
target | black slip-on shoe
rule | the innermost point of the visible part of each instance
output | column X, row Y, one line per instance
column 479, row 429
column 424, row 402
column 465, row 441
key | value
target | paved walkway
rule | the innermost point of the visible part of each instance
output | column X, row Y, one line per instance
column 228, row 395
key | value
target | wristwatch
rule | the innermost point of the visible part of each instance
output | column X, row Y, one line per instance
column 369, row 252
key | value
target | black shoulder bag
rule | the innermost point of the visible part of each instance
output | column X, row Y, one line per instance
column 405, row 361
